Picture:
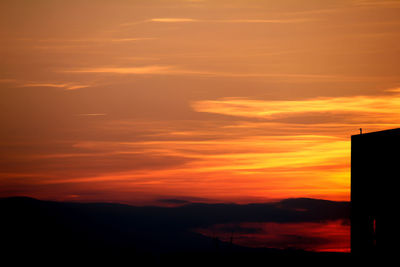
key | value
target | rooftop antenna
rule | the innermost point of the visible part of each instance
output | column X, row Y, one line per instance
column 360, row 130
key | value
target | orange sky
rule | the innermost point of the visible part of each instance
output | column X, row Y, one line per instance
column 246, row 100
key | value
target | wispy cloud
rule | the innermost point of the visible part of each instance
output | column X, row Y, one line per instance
column 180, row 20
column 376, row 3
column 173, row 20
column 177, row 70
column 393, row 90
column 384, row 107
column 66, row 86
column 93, row 114
column 121, row 40
column 128, row 70
column 7, row 81
column 279, row 21
column 82, row 43
column 91, row 40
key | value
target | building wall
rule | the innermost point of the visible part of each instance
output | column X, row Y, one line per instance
column 375, row 165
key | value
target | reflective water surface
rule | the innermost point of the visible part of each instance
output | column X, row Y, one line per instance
column 332, row 236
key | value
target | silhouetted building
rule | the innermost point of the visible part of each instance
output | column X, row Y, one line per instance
column 375, row 165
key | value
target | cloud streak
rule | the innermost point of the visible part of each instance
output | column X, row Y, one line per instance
column 129, row 70
column 66, row 86
column 385, row 107
column 181, row 20
column 173, row 20
column 177, row 70
column 90, row 40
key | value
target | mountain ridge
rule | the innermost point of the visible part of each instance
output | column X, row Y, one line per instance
column 32, row 226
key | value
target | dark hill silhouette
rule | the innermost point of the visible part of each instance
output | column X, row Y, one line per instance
column 45, row 229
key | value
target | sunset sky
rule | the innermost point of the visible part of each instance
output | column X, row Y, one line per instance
column 138, row 101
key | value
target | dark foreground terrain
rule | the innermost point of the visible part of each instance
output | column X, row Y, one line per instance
column 58, row 232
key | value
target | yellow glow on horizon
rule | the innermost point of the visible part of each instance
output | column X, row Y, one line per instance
column 258, row 166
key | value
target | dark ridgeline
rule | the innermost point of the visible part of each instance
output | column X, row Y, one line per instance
column 34, row 230
column 375, row 163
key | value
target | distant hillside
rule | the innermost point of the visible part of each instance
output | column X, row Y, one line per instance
column 99, row 230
